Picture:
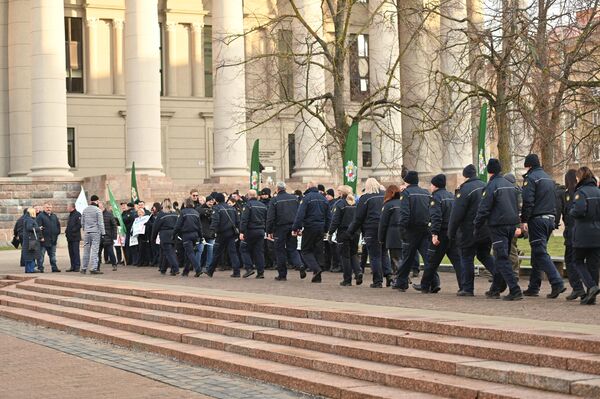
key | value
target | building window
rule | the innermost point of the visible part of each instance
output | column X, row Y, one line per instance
column 286, row 64
column 71, row 146
column 359, row 67
column 208, row 61
column 291, row 153
column 367, row 151
column 74, row 54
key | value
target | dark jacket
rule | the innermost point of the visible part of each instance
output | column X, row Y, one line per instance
column 254, row 216
column 539, row 196
column 50, row 226
column 368, row 213
column 499, row 204
column 313, row 212
column 586, row 215
column 414, row 211
column 18, row 228
column 188, row 222
column 564, row 207
column 73, row 229
column 389, row 225
column 440, row 209
column 205, row 212
column 466, row 204
column 128, row 218
column 342, row 216
column 110, row 224
column 164, row 227
column 224, row 220
column 29, row 225
column 282, row 211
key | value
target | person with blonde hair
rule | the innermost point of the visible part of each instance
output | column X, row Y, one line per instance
column 366, row 218
column 30, row 248
column 343, row 215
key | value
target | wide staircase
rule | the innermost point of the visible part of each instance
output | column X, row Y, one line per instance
column 318, row 350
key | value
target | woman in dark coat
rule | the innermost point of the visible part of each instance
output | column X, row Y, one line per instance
column 586, row 232
column 163, row 228
column 389, row 224
column 343, row 215
column 31, row 233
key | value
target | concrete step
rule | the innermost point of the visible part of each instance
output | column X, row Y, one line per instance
column 296, row 378
column 589, row 343
column 456, row 368
column 219, row 320
column 355, row 372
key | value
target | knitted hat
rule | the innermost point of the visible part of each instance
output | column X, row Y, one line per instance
column 469, row 171
column 412, row 177
column 532, row 161
column 494, row 166
column 330, row 192
column 265, row 191
column 439, row 180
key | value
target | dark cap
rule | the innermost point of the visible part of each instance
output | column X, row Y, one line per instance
column 130, row 204
column 265, row 191
column 439, row 180
column 330, row 192
column 320, row 187
column 469, row 171
column 532, row 161
column 494, row 166
column 412, row 177
column 219, row 197
column 94, row 198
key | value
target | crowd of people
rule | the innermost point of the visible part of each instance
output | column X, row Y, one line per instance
column 320, row 230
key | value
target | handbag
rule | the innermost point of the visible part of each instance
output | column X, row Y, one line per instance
column 34, row 245
column 15, row 242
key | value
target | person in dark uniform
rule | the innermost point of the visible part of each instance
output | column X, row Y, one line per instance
column 280, row 218
column 189, row 228
column 566, row 197
column 332, row 254
column 164, row 227
column 414, row 227
column 460, row 231
column 389, row 234
column 207, row 243
column 342, row 215
column 73, row 236
column 499, row 210
column 366, row 219
column 440, row 209
column 252, row 235
column 586, row 232
column 538, row 218
column 224, row 226
column 128, row 216
column 311, row 222
column 270, row 261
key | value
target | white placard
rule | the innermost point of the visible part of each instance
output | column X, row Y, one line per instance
column 139, row 225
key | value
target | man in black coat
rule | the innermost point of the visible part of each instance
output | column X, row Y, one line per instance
column 107, row 241
column 252, row 235
column 50, row 226
column 73, row 236
column 538, row 216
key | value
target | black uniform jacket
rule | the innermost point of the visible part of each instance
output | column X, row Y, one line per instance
column 466, row 203
column 499, row 204
column 164, row 226
column 586, row 215
column 440, row 209
column 389, row 224
column 342, row 217
column 73, row 229
column 313, row 212
column 254, row 216
column 368, row 213
column 282, row 211
column 539, row 196
column 188, row 222
column 224, row 220
column 414, row 211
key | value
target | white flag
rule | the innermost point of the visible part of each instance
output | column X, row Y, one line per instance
column 81, row 202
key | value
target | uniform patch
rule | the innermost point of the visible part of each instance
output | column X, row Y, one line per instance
column 568, row 198
column 401, row 197
column 484, row 193
column 301, row 201
column 458, row 195
column 432, row 203
column 577, row 197
column 524, row 184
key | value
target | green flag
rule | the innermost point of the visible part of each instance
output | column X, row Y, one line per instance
column 116, row 211
column 351, row 157
column 481, row 160
column 255, row 168
column 134, row 189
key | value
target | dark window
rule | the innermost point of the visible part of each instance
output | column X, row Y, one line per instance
column 359, row 67
column 291, row 152
column 208, row 61
column 367, row 153
column 71, row 146
column 286, row 64
column 74, row 54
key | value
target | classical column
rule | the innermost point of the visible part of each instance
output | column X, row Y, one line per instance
column 142, row 86
column 198, row 89
column 119, row 76
column 48, row 92
column 19, row 86
column 309, row 81
column 230, row 90
column 172, row 59
column 92, row 49
column 4, row 126
column 455, row 131
column 384, row 81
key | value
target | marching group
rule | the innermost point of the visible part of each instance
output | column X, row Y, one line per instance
column 304, row 230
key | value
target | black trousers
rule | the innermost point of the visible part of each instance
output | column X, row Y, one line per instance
column 312, row 240
column 348, row 250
